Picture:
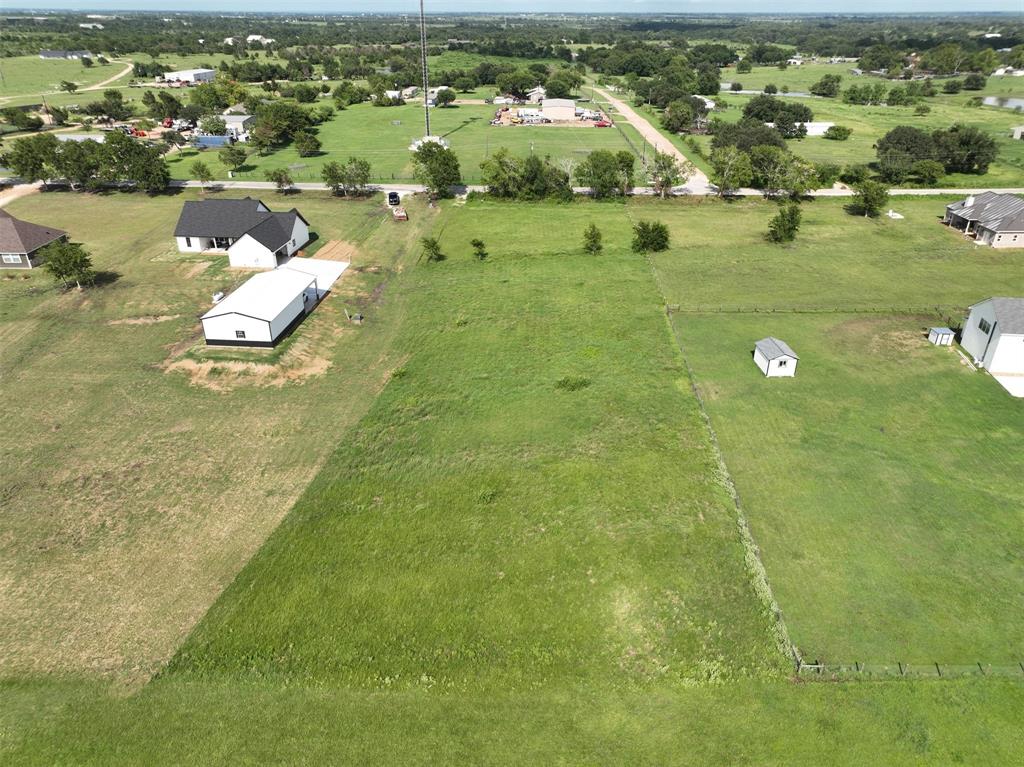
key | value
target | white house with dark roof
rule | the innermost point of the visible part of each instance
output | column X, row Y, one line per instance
column 252, row 235
column 991, row 218
column 993, row 335
column 774, row 358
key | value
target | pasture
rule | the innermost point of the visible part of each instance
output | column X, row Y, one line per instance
column 130, row 434
column 382, row 136
column 29, row 77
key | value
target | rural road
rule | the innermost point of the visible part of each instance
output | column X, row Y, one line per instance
column 98, row 86
column 698, row 183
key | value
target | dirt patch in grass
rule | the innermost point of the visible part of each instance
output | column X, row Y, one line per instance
column 338, row 250
column 150, row 320
column 197, row 269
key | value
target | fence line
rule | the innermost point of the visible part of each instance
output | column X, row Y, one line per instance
column 899, row 669
column 947, row 312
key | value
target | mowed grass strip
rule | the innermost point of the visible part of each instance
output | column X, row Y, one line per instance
column 531, row 501
column 720, row 258
column 882, row 483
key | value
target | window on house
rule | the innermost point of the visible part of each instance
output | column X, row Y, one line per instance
column 12, row 258
column 188, row 242
column 239, row 334
column 782, row 363
column 984, row 325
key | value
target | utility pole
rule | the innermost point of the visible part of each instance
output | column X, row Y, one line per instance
column 423, row 61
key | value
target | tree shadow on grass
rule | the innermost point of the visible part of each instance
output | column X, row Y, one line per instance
column 464, row 123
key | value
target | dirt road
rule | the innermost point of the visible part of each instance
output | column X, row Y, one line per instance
column 698, row 182
column 124, row 72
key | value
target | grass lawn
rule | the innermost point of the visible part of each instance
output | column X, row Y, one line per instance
column 30, row 76
column 882, row 484
column 371, row 132
column 838, row 261
column 129, row 436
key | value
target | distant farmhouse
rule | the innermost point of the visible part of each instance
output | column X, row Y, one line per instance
column 993, row 335
column 775, row 358
column 246, row 230
column 20, row 241
column 990, row 218
column 66, row 55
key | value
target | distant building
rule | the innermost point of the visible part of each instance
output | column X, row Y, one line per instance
column 259, row 39
column 90, row 25
column 558, row 110
column 190, row 76
column 74, row 55
column 238, row 126
column 990, row 217
column 774, row 358
column 20, row 241
column 536, row 95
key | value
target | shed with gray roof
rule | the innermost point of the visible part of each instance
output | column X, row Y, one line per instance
column 775, row 358
column 991, row 218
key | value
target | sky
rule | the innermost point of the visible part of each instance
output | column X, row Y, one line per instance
column 513, row 6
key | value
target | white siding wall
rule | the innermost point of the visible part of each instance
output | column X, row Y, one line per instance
column 761, row 361
column 246, row 252
column 300, row 235
column 559, row 114
column 782, row 367
column 198, row 244
column 973, row 339
column 290, row 312
column 1008, row 240
column 223, row 329
column 1006, row 355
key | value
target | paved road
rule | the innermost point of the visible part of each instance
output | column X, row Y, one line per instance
column 698, row 183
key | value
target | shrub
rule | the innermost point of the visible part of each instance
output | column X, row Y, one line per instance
column 650, row 237
column 870, row 197
column 783, row 227
column 854, row 174
column 828, row 173
column 975, row 82
column 736, row 86
column 432, row 249
column 838, row 133
column 952, row 86
column 592, row 240
column 771, row 88
column 479, row 249
column 572, row 383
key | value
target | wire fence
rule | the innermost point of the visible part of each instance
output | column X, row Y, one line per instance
column 947, row 313
column 900, row 670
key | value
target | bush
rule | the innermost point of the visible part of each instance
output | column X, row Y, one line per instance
column 922, row 109
column 783, row 227
column 952, row 86
column 771, row 88
column 870, row 197
column 479, row 249
column 855, row 174
column 592, row 240
column 572, row 383
column 650, row 237
column 927, row 171
column 736, row 86
column 828, row 173
column 975, row 82
column 838, row 133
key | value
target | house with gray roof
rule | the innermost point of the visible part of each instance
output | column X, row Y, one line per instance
column 252, row 235
column 993, row 335
column 775, row 358
column 990, row 217
column 20, row 241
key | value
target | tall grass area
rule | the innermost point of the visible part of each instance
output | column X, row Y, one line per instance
column 531, row 503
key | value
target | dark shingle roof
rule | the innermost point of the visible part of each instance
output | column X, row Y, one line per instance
column 17, row 236
column 773, row 348
column 274, row 231
column 1009, row 314
column 220, row 218
column 992, row 210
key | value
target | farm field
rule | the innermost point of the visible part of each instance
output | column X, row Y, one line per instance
column 30, row 76
column 371, row 132
column 517, row 546
column 134, row 439
column 881, row 484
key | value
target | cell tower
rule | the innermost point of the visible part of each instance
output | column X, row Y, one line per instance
column 423, row 62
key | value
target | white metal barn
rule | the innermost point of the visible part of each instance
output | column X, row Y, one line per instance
column 558, row 110
column 994, row 336
column 774, row 358
column 190, row 76
column 260, row 311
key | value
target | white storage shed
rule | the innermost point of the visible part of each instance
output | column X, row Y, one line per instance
column 262, row 309
column 940, row 336
column 774, row 358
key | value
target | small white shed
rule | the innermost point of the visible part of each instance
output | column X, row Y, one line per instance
column 262, row 309
column 774, row 358
column 940, row 336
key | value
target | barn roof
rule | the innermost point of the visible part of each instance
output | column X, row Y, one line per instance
column 773, row 348
column 264, row 296
column 17, row 236
column 992, row 210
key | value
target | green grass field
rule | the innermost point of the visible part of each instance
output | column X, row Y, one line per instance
column 26, row 78
column 518, row 547
column 371, row 132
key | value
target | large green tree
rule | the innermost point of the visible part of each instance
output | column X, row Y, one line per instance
column 437, row 168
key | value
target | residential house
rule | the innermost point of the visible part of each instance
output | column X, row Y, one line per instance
column 991, row 218
column 775, row 358
column 993, row 335
column 20, row 241
column 246, row 230
column 536, row 95
column 259, row 39
column 238, row 126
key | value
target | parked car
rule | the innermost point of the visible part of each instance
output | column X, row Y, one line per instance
column 602, row 124
column 394, row 199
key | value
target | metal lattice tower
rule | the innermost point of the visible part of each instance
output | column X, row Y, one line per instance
column 423, row 62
